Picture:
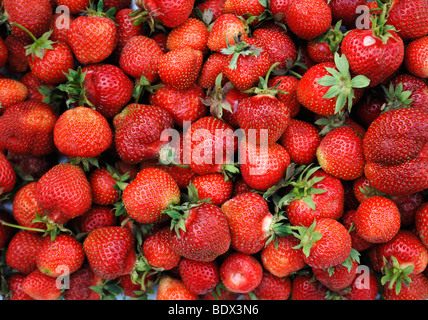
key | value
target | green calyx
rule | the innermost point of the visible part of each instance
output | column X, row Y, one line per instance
column 331, row 122
column 143, row 85
column 74, row 88
column 307, row 236
column 263, row 88
column 379, row 23
column 86, row 163
column 142, row 269
column 395, row 274
column 39, row 46
column 333, row 37
column 341, row 84
column 241, row 48
column 215, row 97
column 395, row 97
column 278, row 227
column 97, row 10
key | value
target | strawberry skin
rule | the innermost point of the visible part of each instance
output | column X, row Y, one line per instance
column 40, row 286
column 173, row 289
column 304, row 288
column 80, row 283
column 13, row 92
column 96, row 217
column 16, row 292
column 171, row 13
column 415, row 57
column 25, row 207
column 199, row 277
column 225, row 28
column 421, row 222
column 7, row 176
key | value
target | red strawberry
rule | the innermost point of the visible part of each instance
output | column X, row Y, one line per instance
column 110, row 251
column 213, row 186
column 417, row 289
column 220, row 293
column 22, row 251
column 279, row 8
column 117, row 4
column 273, row 288
column 103, row 181
column 287, row 84
column 395, row 151
column 249, row 222
column 4, row 53
column 75, row 6
column 401, row 14
column 358, row 243
column 17, row 60
column 243, row 8
column 64, row 193
column 14, row 284
column 126, row 29
column 308, row 19
column 415, row 57
column 214, row 6
column 305, row 288
column 346, row 11
column 180, row 68
column 149, row 195
column 199, row 277
column 241, row 273
column 211, row 68
column 40, row 286
column 173, row 289
column 408, row 205
column 191, row 33
column 323, row 48
column 421, row 222
column 7, row 176
column 138, row 131
column 364, row 286
column 96, row 217
column 280, row 257
column 60, row 25
column 34, row 86
column 226, row 29
column 405, row 82
column 80, row 284
column 17, row 135
column 338, row 277
column 13, row 92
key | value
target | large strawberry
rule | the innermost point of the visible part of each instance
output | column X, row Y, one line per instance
column 395, row 151
column 401, row 16
column 21, row 254
column 64, row 193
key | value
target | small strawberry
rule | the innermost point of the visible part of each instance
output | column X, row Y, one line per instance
column 199, row 277
column 40, row 286
column 21, row 254
column 75, row 6
column 241, row 273
column 101, row 243
column 96, row 217
column 213, row 186
column 211, row 68
column 403, row 84
column 60, row 25
column 173, row 289
column 415, row 57
column 80, row 284
column 16, row 292
column 17, row 60
column 125, row 29
column 346, row 11
column 104, row 182
column 225, row 31
column 251, row 8
column 323, row 48
column 12, row 92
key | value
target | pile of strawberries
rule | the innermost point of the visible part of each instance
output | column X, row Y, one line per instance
column 214, row 149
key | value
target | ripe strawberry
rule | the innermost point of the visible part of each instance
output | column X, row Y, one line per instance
column 180, row 68
column 240, row 272
column 287, row 84
column 340, row 153
column 125, row 29
column 262, row 167
column 377, row 219
column 75, row 6
column 13, row 92
column 149, row 195
column 34, row 15
column 301, row 140
column 17, row 60
column 368, row 108
column 40, row 286
column 305, row 288
column 273, row 288
column 280, row 258
column 214, row 6
column 140, row 58
column 252, row 8
column 358, row 243
column 364, row 286
column 346, row 11
column 16, row 292
column 117, row 4
column 17, row 135
column 96, row 217
column 103, row 182
column 375, row 53
column 80, row 283
column 415, row 57
column 22, row 251
column 225, row 30
column 249, row 222
column 25, row 207
column 199, row 277
column 421, row 222
column 417, row 289
column 157, row 249
column 308, row 19
column 93, row 36
column 191, row 33
column 34, row 86
column 326, row 243
column 7, row 176
column 170, row 13
column 138, row 131
column 324, row 47
column 110, row 251
column 401, row 14
column 60, row 25
column 405, row 82
column 64, row 193
column 408, row 205
column 279, row 9
column 201, row 233
column 60, row 256
column 220, row 293
column 173, row 289
column 211, row 68
column 133, row 289
column 213, row 186
column 338, row 277
column 4, row 53
column 184, row 105
column 394, row 149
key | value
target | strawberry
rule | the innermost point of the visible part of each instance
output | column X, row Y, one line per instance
column 408, row 83
column 308, row 19
column 183, row 104
column 280, row 258
column 75, row 6
column 4, row 53
column 211, row 68
column 80, row 284
column 368, row 107
column 60, row 25
column 338, row 277
column 377, row 219
column 60, row 256
column 375, row 53
column 408, row 205
column 7, row 176
column 213, row 186
column 421, row 222
column 17, row 135
column 16, row 292
column 340, row 153
column 93, row 36
column 324, row 47
column 401, row 15
column 40, row 286
column 358, row 243
column 191, row 33
column 180, row 68
column 138, row 131
column 249, row 222
column 134, row 289
column 394, row 149
column 149, row 195
column 25, row 206
column 287, row 84
column 21, row 254
column 273, row 288
column 220, row 293
column 240, row 272
column 96, row 217
column 345, row 11
column 104, row 87
column 305, row 288
column 34, row 86
column 33, row 15
column 199, row 277
column 173, row 289
column 224, row 31
column 415, row 57
column 201, row 232
column 417, row 289
column 13, row 92
column 325, row 243
column 364, row 286
column 301, row 140
column 279, row 9
column 17, row 60
column 252, row 8
column 117, row 4
column 64, row 193
column 99, row 246
column 263, row 167
column 103, row 182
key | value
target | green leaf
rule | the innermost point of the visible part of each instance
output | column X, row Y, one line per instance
column 360, row 81
column 327, row 81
